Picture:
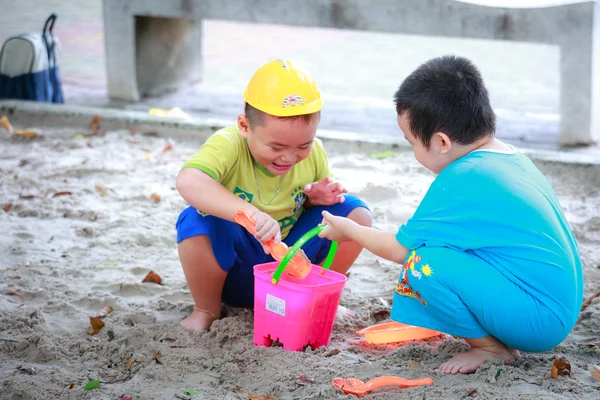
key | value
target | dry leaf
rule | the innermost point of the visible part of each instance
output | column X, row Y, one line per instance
column 7, row 207
column 155, row 197
column 151, row 133
column 333, row 352
column 589, row 345
column 104, row 191
column 168, row 147
column 129, row 363
column 97, row 325
column 95, row 123
column 104, row 312
column 305, row 379
column 260, row 397
column 156, row 355
column 61, row 194
column 595, row 371
column 11, row 293
column 4, row 123
column 414, row 364
column 589, row 301
column 27, row 196
column 26, row 133
column 152, row 277
column 560, row 367
column 72, row 386
column 133, row 130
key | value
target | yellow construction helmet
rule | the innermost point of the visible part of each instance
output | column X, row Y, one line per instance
column 279, row 88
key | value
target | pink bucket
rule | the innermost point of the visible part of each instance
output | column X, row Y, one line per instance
column 295, row 312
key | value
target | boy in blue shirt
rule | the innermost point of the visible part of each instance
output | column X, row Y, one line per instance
column 488, row 255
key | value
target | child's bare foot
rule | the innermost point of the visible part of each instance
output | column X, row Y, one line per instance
column 198, row 320
column 482, row 350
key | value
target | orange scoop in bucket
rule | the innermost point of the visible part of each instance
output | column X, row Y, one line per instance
column 360, row 388
column 298, row 267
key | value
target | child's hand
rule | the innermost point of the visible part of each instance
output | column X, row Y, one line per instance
column 325, row 193
column 266, row 228
column 338, row 228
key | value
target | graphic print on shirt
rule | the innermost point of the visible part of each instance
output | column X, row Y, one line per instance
column 404, row 288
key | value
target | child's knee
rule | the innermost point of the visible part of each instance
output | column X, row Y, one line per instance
column 361, row 216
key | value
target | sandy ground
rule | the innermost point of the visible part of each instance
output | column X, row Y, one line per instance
column 67, row 257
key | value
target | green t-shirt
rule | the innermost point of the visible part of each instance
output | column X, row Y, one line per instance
column 225, row 156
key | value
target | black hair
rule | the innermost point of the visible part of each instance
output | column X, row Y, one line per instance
column 446, row 94
column 257, row 117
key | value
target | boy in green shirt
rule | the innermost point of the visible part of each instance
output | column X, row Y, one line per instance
column 272, row 167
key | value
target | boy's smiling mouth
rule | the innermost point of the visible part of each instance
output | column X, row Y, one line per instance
column 282, row 167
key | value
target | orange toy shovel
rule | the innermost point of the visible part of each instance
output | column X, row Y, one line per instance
column 298, row 267
column 360, row 388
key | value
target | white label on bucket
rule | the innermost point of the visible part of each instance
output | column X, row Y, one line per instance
column 276, row 305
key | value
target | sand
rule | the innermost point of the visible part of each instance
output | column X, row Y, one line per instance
column 67, row 257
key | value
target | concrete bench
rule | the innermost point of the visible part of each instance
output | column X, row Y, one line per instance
column 153, row 46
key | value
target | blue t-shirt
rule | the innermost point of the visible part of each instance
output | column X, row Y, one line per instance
column 501, row 208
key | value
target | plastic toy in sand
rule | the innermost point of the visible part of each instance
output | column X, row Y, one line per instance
column 394, row 332
column 360, row 388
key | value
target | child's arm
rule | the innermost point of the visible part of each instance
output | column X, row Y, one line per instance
column 204, row 193
column 382, row 244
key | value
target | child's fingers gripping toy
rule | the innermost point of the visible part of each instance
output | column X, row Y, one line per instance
column 299, row 265
column 295, row 309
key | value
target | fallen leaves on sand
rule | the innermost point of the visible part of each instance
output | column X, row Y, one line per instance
column 97, row 325
column 333, row 352
column 589, row 345
column 104, row 312
column 589, row 301
column 91, row 385
column 305, row 379
column 27, row 196
column 133, row 130
column 168, row 147
column 104, row 191
column 152, row 277
column 252, row 396
column 95, row 127
column 26, row 133
column 595, row 371
column 498, row 373
column 72, row 386
column 156, row 356
column 12, row 293
column 7, row 207
column 560, row 367
column 155, row 197
column 151, row 134
column 23, row 371
column 62, row 194
column 130, row 363
column 5, row 124
column 381, row 155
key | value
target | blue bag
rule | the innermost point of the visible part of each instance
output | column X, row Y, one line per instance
column 28, row 66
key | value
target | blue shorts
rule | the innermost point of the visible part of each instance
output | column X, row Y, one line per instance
column 237, row 251
column 458, row 293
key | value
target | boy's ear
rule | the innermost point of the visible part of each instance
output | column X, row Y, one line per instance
column 441, row 142
column 244, row 125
